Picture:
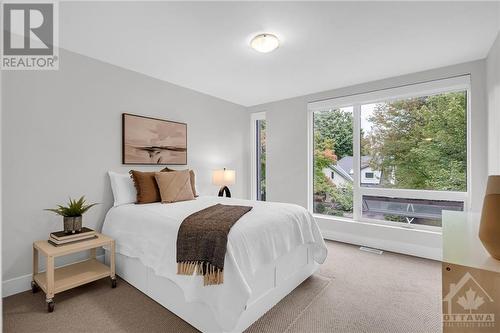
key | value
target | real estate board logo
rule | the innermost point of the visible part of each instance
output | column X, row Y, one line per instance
column 468, row 305
column 30, row 36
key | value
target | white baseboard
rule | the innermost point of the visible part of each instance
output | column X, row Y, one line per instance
column 16, row 285
column 390, row 246
column 23, row 283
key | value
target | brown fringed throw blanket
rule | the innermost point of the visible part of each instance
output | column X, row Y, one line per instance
column 202, row 241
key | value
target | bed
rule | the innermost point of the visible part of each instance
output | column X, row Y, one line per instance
column 270, row 251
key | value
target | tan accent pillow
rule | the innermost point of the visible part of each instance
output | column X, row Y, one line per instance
column 192, row 177
column 174, row 186
column 145, row 184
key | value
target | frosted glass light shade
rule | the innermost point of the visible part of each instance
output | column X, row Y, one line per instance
column 265, row 43
column 223, row 177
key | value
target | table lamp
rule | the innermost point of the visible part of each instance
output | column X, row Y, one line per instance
column 489, row 230
column 223, row 178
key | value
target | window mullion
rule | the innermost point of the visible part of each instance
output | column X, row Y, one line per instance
column 357, row 202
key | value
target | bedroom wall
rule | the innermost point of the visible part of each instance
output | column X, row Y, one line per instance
column 286, row 159
column 61, row 133
column 493, row 79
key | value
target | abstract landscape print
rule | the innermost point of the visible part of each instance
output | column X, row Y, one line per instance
column 153, row 141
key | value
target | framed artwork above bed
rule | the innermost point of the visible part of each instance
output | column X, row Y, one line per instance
column 148, row 140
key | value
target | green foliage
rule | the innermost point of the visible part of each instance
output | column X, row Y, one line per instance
column 342, row 198
column 335, row 127
column 394, row 218
column 320, row 208
column 74, row 208
column 421, row 143
column 339, row 201
column 332, row 141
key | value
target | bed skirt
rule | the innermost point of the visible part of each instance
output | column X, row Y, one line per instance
column 272, row 283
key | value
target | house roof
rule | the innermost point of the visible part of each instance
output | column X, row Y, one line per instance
column 347, row 162
column 344, row 166
column 341, row 172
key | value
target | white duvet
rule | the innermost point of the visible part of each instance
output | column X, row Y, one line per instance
column 270, row 230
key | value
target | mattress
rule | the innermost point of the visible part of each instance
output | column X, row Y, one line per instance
column 148, row 232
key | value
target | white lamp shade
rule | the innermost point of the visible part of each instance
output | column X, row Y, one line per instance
column 223, row 177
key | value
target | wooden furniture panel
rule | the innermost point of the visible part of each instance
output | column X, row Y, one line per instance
column 56, row 251
column 54, row 281
column 470, row 300
column 471, row 278
column 74, row 275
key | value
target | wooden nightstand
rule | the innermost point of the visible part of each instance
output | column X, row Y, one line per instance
column 55, row 280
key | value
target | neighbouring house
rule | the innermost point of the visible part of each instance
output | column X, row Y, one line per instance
column 342, row 173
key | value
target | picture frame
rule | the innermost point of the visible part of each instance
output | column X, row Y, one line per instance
column 153, row 141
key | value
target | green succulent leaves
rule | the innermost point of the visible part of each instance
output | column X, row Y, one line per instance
column 73, row 208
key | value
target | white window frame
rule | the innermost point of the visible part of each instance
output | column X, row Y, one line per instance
column 253, row 153
column 458, row 83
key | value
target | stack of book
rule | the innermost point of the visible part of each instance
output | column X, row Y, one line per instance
column 62, row 238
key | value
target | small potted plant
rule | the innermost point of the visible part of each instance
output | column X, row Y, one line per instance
column 72, row 214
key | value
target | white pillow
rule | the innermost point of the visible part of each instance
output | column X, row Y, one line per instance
column 123, row 188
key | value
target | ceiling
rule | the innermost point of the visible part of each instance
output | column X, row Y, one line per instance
column 325, row 45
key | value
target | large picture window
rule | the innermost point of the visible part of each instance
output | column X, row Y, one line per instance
column 397, row 156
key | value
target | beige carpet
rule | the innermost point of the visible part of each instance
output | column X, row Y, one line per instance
column 354, row 291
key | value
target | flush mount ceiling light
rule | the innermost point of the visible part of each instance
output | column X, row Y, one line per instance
column 265, row 43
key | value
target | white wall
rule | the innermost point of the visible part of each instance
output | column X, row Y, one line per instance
column 61, row 132
column 337, row 178
column 287, row 169
column 493, row 79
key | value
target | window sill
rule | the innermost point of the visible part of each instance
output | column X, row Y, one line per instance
column 377, row 224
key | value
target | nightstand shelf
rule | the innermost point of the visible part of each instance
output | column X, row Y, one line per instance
column 54, row 281
column 74, row 275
